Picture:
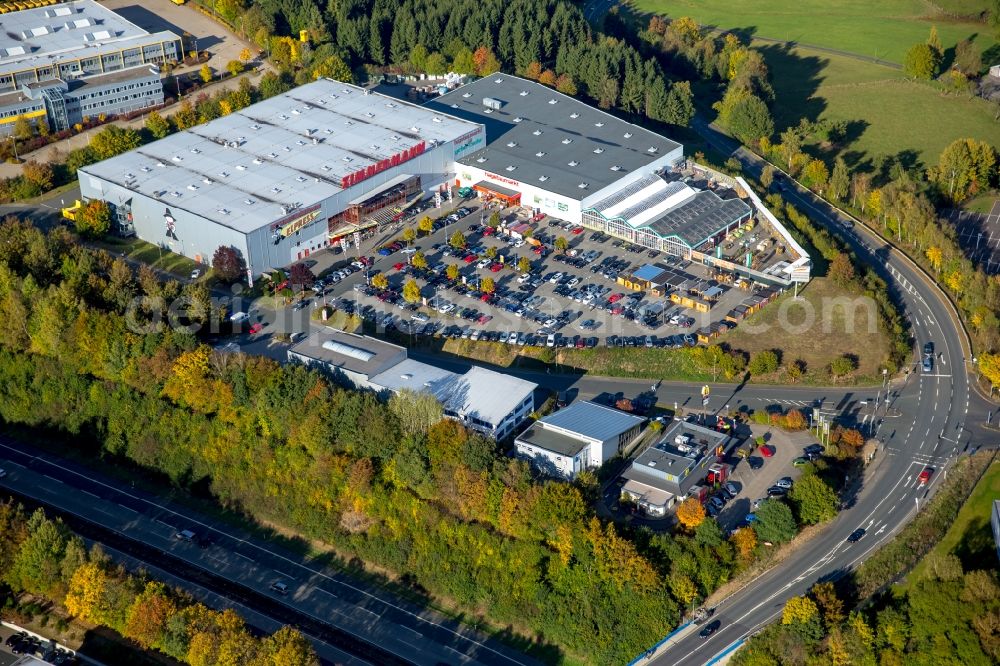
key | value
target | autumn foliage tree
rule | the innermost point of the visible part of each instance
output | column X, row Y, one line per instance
column 93, row 220
column 690, row 513
column 228, row 264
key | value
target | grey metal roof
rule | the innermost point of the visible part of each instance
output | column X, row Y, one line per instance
column 286, row 152
column 552, row 440
column 699, row 218
column 549, row 131
column 356, row 353
column 591, row 420
column 65, row 32
column 479, row 393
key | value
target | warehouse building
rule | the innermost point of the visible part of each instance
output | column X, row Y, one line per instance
column 489, row 402
column 282, row 178
column 62, row 63
column 582, row 436
column 556, row 155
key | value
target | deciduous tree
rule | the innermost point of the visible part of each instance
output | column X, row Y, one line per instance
column 451, row 271
column 690, row 513
column 228, row 264
column 411, row 291
column 488, row 285
column 380, row 281
column 774, row 523
column 457, row 240
column 114, row 140
column 205, row 73
column 93, row 220
column 814, row 500
column 426, row 224
column 157, row 125
column 419, row 260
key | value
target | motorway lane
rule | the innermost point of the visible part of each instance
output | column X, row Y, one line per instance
column 407, row 631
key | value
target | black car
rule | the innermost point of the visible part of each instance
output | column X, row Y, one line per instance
column 710, row 628
column 813, row 449
column 777, row 491
column 929, row 349
column 14, row 638
column 856, row 535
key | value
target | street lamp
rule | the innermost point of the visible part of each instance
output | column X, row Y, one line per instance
column 13, row 140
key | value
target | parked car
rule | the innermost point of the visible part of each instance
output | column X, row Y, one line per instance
column 800, row 461
column 256, row 328
column 755, row 463
column 784, row 482
column 777, row 491
column 767, row 450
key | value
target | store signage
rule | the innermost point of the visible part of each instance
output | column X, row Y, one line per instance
column 468, row 143
column 300, row 218
column 382, row 165
column 501, row 179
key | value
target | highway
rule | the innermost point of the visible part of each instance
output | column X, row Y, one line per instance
column 371, row 622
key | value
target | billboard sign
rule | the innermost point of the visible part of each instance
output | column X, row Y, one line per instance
column 367, row 172
column 297, row 220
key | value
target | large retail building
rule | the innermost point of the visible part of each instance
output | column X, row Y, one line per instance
column 62, row 63
column 292, row 174
column 282, row 178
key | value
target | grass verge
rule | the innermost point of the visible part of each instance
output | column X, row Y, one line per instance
column 148, row 253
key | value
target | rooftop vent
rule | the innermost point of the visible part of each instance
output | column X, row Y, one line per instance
column 652, row 149
column 177, row 158
column 394, row 137
column 572, row 163
column 257, row 160
column 207, row 181
column 543, row 178
column 272, row 155
column 466, row 94
column 652, row 463
column 283, row 116
column 628, row 135
column 510, row 167
column 454, row 106
column 598, row 124
column 537, row 132
column 512, row 144
column 498, row 80
column 287, row 149
column 583, row 186
column 492, row 103
column 437, row 119
column 175, row 193
column 349, row 122
column 241, row 167
column 224, row 174
column 300, row 179
column 553, row 101
column 616, row 168
column 300, row 142
column 224, row 211
column 518, row 119
column 345, row 158
column 567, row 141
column 574, row 115
column 145, row 169
column 370, row 114
column 249, row 202
column 193, row 188
column 524, row 93
column 275, row 190
column 540, row 153
column 480, row 159
column 598, row 151
column 160, row 164
column 296, row 112
column 255, row 126
column 195, row 151
column 414, row 128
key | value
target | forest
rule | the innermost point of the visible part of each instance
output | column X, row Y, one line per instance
column 389, row 483
column 43, row 559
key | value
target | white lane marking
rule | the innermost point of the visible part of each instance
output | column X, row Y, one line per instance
column 245, row 557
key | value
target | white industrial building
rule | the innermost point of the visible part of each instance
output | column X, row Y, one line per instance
column 581, row 436
column 489, row 402
column 282, row 178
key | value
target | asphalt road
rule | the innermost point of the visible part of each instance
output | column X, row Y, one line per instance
column 937, row 417
column 406, row 632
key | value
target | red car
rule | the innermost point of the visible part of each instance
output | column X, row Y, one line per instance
column 400, row 266
column 577, row 231
column 484, row 319
column 469, row 258
column 614, row 298
column 925, row 476
column 489, row 231
column 767, row 450
column 256, row 328
column 496, row 267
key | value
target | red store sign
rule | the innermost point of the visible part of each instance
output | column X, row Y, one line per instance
column 501, row 179
column 373, row 169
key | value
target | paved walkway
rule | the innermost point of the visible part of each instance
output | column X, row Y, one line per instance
column 56, row 152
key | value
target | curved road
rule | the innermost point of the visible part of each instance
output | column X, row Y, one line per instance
column 940, row 416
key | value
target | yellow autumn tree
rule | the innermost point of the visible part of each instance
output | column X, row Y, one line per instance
column 989, row 367
column 955, row 281
column 745, row 541
column 85, row 598
column 934, row 256
column 799, row 610
column 690, row 513
column 682, row 588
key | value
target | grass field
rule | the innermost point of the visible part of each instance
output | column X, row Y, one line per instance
column 828, row 337
column 886, row 114
column 883, row 30
column 148, row 253
column 971, row 537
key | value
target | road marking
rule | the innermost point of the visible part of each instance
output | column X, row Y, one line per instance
column 320, row 589
column 122, row 506
column 52, row 478
column 282, row 573
column 91, row 494
column 245, row 557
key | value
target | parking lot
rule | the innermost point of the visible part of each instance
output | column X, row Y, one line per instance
column 476, row 289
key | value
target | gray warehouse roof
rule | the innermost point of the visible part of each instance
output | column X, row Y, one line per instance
column 591, row 420
column 355, row 353
column 552, row 440
column 552, row 140
column 254, row 166
column 64, row 32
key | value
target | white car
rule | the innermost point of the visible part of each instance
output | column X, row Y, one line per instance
column 483, row 263
column 550, row 341
column 195, row 274
column 238, row 316
column 446, row 308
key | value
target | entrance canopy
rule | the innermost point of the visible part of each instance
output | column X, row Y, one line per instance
column 493, row 191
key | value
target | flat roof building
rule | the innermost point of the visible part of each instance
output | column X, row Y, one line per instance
column 490, row 402
column 664, row 472
column 53, row 59
column 582, row 436
column 276, row 179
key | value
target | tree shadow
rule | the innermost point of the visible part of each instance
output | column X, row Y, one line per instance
column 976, row 548
column 796, row 79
